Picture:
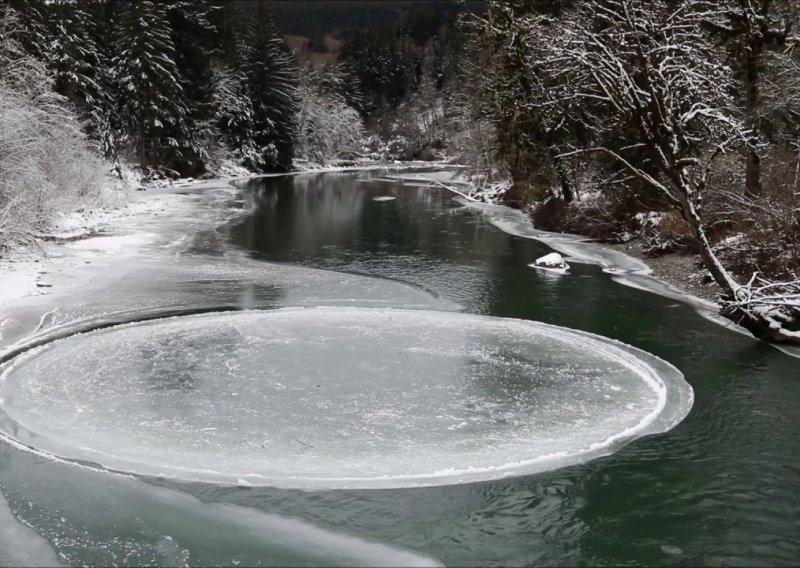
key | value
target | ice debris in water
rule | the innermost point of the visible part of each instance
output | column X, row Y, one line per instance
column 337, row 397
column 384, row 198
column 671, row 550
column 552, row 262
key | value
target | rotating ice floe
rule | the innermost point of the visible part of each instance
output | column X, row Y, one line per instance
column 336, row 397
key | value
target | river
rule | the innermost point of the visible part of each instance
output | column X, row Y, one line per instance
column 717, row 489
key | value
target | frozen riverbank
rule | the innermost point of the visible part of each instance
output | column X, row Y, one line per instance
column 673, row 276
column 612, row 258
column 67, row 253
column 89, row 239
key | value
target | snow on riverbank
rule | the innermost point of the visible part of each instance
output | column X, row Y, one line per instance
column 81, row 240
column 627, row 267
column 125, row 225
column 671, row 276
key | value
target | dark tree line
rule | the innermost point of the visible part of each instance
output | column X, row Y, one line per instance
column 390, row 60
column 170, row 84
column 406, row 69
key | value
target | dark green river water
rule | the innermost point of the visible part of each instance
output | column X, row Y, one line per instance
column 720, row 489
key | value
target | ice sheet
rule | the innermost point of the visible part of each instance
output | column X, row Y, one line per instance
column 21, row 545
column 98, row 519
column 337, row 397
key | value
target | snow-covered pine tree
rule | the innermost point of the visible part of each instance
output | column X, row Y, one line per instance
column 195, row 39
column 272, row 80
column 32, row 35
column 350, row 87
column 378, row 59
column 151, row 99
column 73, row 57
column 102, row 24
column 11, row 48
column 234, row 112
column 233, row 109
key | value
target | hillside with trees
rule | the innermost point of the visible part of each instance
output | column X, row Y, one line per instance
column 669, row 124
column 672, row 123
column 92, row 88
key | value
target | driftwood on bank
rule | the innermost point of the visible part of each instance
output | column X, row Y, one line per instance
column 769, row 310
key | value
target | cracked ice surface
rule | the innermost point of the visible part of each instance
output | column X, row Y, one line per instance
column 337, row 397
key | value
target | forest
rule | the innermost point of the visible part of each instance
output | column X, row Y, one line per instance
column 671, row 123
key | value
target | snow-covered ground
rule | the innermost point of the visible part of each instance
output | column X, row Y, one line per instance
column 83, row 239
column 71, row 252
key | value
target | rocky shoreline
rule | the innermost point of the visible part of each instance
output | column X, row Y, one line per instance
column 684, row 272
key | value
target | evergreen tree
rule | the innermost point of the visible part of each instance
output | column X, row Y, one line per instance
column 11, row 30
column 328, row 127
column 151, row 98
column 233, row 109
column 101, row 22
column 195, row 40
column 272, row 82
column 380, row 59
column 32, row 34
column 234, row 113
column 74, row 58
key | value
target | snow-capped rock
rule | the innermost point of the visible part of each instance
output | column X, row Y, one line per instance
column 552, row 262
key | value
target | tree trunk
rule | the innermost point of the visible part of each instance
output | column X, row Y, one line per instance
column 563, row 176
column 710, row 260
column 757, row 324
column 752, row 78
column 752, row 182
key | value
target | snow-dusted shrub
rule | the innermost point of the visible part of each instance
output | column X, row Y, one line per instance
column 328, row 128
column 46, row 165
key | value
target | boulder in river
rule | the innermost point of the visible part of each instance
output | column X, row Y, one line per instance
column 552, row 262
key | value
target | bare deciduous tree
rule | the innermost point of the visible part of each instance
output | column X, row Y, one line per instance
column 654, row 70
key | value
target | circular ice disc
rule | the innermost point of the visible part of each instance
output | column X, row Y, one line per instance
column 337, row 397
